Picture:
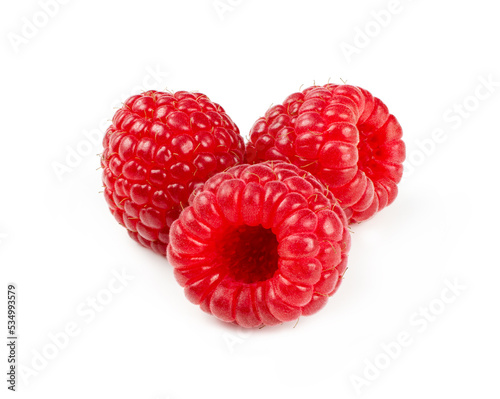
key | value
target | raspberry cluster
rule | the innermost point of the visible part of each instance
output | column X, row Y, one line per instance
column 159, row 148
column 256, row 243
column 341, row 134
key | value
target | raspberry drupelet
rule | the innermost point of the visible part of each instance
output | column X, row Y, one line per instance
column 260, row 245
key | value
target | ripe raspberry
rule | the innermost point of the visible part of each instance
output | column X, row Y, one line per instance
column 159, row 148
column 342, row 135
column 260, row 244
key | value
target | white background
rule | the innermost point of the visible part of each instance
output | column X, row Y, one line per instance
column 61, row 246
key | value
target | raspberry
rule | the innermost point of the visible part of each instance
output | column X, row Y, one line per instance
column 260, row 245
column 159, row 148
column 342, row 135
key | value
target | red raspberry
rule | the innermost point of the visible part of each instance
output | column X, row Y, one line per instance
column 159, row 148
column 342, row 135
column 260, row 244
